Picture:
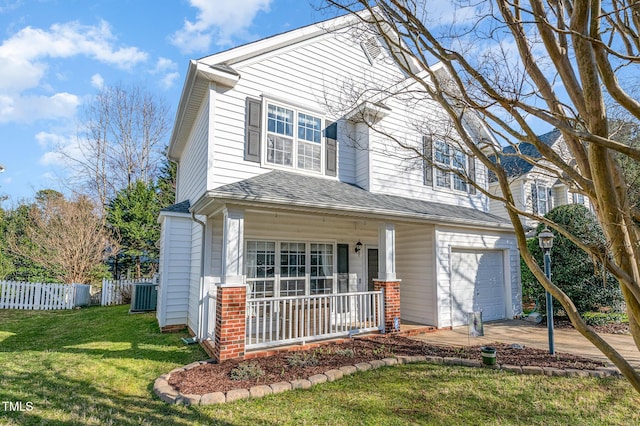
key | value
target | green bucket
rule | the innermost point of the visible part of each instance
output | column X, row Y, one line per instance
column 488, row 355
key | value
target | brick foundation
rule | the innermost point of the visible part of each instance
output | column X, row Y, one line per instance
column 391, row 304
column 231, row 306
column 177, row 328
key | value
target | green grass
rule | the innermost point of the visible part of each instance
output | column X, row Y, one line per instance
column 97, row 366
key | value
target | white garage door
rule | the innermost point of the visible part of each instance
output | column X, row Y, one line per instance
column 477, row 284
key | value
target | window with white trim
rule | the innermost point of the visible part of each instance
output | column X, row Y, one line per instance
column 294, row 138
column 540, row 199
column 449, row 161
column 578, row 198
column 321, row 268
column 260, row 268
column 289, row 268
column 293, row 269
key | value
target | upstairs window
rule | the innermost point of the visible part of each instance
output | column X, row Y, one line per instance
column 449, row 162
column 540, row 199
column 283, row 136
column 294, row 139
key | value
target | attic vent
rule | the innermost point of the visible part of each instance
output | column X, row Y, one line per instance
column 371, row 49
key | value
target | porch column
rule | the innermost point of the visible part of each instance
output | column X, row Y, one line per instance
column 387, row 281
column 231, row 302
column 233, row 247
column 387, row 252
column 231, row 307
column 391, row 293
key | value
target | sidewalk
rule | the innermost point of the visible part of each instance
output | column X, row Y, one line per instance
column 527, row 334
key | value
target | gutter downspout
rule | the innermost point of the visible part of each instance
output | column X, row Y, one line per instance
column 201, row 292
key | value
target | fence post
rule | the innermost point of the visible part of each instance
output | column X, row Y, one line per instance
column 104, row 292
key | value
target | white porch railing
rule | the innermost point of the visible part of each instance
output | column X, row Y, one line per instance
column 275, row 321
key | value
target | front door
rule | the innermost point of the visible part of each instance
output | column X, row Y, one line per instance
column 372, row 267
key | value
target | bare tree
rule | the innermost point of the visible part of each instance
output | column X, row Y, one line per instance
column 517, row 64
column 120, row 141
column 64, row 236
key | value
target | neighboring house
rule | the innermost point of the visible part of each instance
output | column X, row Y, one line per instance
column 535, row 190
column 291, row 217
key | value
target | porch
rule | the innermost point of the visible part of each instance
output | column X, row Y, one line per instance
column 236, row 324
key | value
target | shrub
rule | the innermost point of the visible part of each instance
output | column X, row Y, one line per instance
column 246, row 371
column 582, row 278
column 302, row 360
column 602, row 318
column 346, row 352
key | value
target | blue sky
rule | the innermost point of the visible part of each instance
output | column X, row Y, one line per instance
column 56, row 54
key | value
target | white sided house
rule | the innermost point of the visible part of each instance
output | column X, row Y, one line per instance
column 536, row 190
column 297, row 221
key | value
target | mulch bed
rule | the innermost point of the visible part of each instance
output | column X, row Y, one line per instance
column 212, row 377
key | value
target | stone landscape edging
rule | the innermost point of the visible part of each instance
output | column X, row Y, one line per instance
column 170, row 395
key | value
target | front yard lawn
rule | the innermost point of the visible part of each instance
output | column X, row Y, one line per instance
column 96, row 366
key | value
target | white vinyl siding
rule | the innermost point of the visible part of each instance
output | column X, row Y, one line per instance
column 194, row 276
column 298, row 75
column 175, row 261
column 415, row 266
column 193, row 164
column 399, row 171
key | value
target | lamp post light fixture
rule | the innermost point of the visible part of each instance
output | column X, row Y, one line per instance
column 545, row 239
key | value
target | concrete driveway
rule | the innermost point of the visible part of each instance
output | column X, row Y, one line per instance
column 526, row 333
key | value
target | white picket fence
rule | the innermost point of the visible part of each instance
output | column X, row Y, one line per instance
column 47, row 296
column 37, row 296
column 119, row 292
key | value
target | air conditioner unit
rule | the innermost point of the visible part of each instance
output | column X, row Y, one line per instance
column 144, row 297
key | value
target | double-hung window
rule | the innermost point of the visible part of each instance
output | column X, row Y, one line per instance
column 261, row 267
column 287, row 268
column 294, row 138
column 450, row 166
column 540, row 199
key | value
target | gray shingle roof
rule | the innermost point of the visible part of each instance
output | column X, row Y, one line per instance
column 292, row 189
column 182, row 207
column 516, row 165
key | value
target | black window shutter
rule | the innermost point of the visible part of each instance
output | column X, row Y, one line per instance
column 253, row 119
column 427, row 168
column 331, row 136
column 343, row 258
column 472, row 174
column 534, row 198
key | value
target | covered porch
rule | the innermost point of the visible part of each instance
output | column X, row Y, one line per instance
column 286, row 277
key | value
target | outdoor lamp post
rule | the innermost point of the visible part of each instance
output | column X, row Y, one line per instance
column 545, row 238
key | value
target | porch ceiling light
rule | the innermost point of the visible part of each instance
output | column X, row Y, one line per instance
column 545, row 239
column 358, row 247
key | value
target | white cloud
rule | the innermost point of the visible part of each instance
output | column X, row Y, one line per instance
column 71, row 39
column 169, row 80
column 219, row 20
column 97, row 81
column 168, row 70
column 25, row 58
column 27, row 109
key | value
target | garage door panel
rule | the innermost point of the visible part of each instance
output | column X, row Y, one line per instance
column 477, row 284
